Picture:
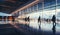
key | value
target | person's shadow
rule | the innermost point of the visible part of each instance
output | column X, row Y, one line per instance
column 54, row 30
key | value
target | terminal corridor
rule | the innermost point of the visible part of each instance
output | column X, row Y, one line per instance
column 29, row 17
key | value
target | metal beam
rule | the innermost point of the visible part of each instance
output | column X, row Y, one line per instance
column 27, row 6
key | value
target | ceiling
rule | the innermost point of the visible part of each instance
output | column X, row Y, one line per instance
column 8, row 6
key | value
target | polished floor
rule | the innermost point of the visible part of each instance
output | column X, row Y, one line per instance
column 31, row 29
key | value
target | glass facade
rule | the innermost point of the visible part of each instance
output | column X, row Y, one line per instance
column 45, row 9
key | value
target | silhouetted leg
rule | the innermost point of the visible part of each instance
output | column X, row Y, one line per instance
column 53, row 23
column 40, row 25
column 29, row 23
column 54, row 30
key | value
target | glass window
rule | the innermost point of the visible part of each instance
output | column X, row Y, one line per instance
column 39, row 6
column 35, row 8
column 32, row 8
column 49, row 9
column 58, row 11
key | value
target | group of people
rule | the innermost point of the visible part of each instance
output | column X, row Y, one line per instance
column 54, row 23
column 39, row 21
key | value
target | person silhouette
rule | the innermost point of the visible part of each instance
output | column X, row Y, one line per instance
column 54, row 20
column 25, row 19
column 39, row 22
column 28, row 19
column 13, row 19
column 54, row 24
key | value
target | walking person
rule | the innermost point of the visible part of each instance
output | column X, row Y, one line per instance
column 39, row 22
column 54, row 20
column 54, row 24
column 28, row 19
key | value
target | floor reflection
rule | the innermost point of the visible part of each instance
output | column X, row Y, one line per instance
column 45, row 26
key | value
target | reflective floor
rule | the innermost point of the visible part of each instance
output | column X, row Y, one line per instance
column 31, row 29
column 45, row 27
column 7, row 29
